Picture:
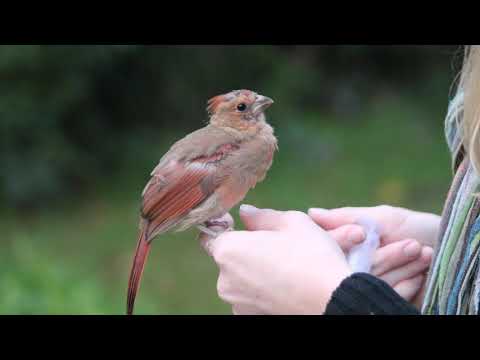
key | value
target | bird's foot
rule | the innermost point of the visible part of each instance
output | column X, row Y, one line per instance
column 212, row 228
column 207, row 231
column 215, row 227
column 223, row 224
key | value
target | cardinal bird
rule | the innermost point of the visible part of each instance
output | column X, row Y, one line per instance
column 206, row 173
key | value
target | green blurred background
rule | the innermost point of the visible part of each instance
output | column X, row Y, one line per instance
column 81, row 127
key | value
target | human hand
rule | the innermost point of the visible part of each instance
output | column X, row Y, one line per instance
column 401, row 230
column 402, row 264
column 284, row 264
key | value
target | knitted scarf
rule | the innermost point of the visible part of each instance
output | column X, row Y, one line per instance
column 453, row 285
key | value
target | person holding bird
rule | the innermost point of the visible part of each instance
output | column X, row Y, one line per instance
column 289, row 262
column 206, row 173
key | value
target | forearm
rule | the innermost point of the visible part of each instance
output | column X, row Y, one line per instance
column 364, row 294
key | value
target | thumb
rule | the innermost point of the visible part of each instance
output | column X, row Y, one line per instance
column 334, row 218
column 259, row 219
column 274, row 220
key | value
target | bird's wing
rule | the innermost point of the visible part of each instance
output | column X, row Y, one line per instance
column 177, row 187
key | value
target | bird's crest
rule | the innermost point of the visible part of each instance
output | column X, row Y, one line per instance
column 212, row 104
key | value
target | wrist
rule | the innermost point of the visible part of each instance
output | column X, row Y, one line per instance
column 327, row 285
column 364, row 294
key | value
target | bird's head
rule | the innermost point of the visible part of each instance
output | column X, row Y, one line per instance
column 239, row 109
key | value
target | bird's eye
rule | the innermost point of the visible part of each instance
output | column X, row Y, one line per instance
column 241, row 107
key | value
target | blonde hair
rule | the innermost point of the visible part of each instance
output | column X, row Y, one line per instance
column 467, row 100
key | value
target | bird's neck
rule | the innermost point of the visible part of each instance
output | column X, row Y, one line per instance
column 244, row 134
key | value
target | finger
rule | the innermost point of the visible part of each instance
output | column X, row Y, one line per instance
column 394, row 255
column 348, row 236
column 204, row 239
column 245, row 310
column 206, row 242
column 224, row 245
column 256, row 219
column 331, row 219
column 408, row 289
column 225, row 220
column 417, row 301
column 411, row 269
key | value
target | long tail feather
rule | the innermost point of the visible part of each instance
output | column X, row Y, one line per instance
column 143, row 248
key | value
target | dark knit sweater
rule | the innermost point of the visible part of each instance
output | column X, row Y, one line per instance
column 364, row 294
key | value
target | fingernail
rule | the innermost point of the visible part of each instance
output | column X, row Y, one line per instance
column 317, row 211
column 248, row 209
column 412, row 249
column 427, row 253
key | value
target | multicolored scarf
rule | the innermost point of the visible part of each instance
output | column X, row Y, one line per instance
column 453, row 285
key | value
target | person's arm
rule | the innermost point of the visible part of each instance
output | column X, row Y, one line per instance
column 364, row 294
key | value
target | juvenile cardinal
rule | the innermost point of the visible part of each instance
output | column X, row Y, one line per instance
column 206, row 173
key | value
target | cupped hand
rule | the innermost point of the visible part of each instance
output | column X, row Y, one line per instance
column 402, row 264
column 402, row 231
column 283, row 264
column 395, row 223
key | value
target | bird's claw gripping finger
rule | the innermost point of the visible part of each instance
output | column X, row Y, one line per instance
column 360, row 257
column 215, row 227
column 222, row 224
column 205, row 230
column 209, row 226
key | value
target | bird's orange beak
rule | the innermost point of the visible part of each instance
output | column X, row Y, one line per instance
column 261, row 104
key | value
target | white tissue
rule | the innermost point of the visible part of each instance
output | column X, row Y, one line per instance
column 360, row 256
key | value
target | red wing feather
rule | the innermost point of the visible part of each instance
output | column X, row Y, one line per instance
column 165, row 200
column 173, row 195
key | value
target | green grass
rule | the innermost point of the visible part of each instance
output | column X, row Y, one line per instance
column 75, row 259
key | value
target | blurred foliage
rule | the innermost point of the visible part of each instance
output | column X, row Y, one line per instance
column 70, row 114
column 81, row 127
